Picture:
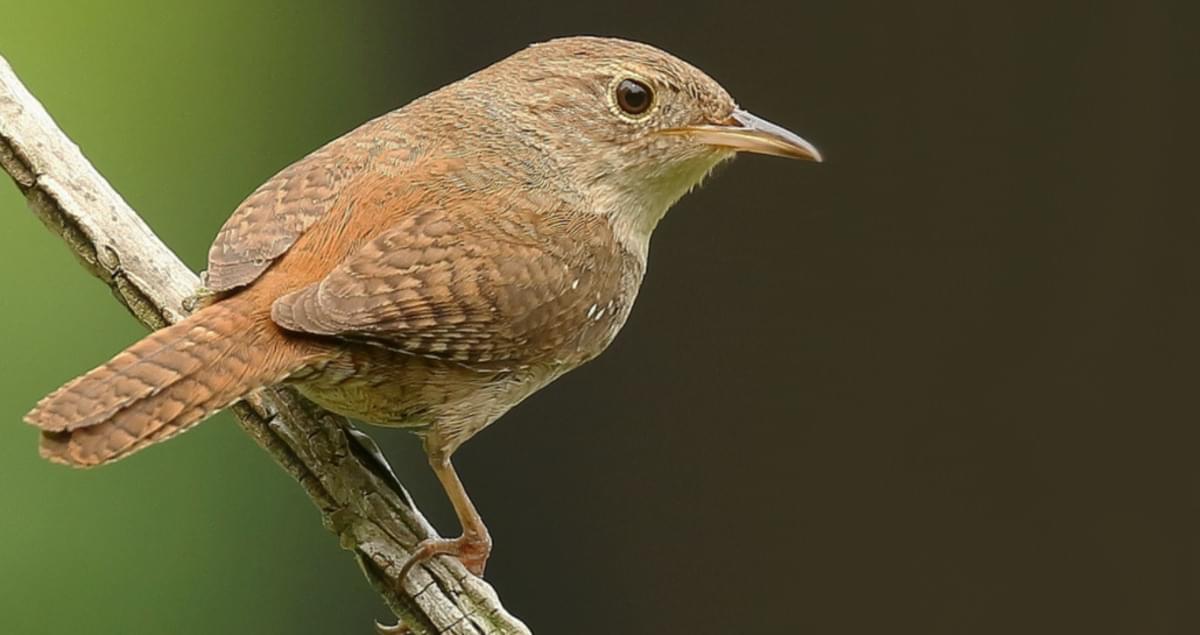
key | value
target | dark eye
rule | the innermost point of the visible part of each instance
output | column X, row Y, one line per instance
column 634, row 97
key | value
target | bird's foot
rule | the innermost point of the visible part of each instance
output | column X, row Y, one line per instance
column 470, row 549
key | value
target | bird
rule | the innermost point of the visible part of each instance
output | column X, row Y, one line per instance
column 435, row 266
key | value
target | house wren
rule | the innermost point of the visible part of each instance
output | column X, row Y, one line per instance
column 435, row 266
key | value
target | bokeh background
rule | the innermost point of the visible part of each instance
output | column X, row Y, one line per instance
column 944, row 383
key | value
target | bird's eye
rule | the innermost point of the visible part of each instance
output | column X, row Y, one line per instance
column 633, row 96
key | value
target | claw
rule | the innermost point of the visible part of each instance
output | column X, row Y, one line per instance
column 399, row 628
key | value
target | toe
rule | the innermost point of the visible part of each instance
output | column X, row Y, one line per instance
column 472, row 551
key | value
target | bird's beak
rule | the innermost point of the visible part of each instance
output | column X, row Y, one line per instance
column 744, row 132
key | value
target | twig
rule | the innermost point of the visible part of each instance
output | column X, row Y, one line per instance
column 358, row 499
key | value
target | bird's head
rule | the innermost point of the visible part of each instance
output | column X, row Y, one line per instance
column 630, row 127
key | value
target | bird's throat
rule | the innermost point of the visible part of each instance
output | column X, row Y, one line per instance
column 637, row 205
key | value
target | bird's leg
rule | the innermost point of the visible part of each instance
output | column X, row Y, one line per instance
column 471, row 548
column 474, row 545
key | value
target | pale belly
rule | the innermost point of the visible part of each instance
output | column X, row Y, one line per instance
column 444, row 402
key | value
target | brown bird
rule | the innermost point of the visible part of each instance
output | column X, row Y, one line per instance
column 435, row 266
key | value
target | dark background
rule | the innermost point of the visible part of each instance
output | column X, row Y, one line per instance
column 943, row 383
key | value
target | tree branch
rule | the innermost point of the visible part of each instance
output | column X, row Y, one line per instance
column 339, row 468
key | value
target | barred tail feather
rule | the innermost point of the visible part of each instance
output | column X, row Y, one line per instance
column 161, row 386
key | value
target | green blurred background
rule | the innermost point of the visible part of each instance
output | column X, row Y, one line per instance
column 944, row 383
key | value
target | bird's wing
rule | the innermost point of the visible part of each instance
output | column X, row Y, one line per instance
column 272, row 218
column 506, row 286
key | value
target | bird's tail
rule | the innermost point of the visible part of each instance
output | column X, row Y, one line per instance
column 163, row 385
